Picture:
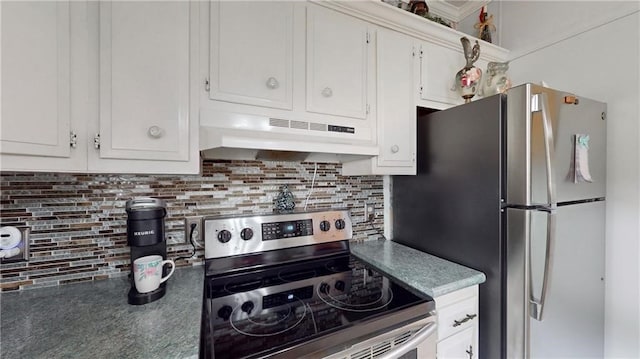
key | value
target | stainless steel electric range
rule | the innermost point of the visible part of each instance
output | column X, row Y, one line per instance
column 286, row 286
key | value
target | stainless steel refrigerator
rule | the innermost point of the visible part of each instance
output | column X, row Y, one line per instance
column 513, row 185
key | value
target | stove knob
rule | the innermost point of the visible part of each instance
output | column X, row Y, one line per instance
column 247, row 307
column 325, row 288
column 246, row 234
column 340, row 285
column 224, row 236
column 225, row 312
column 325, row 226
column 340, row 224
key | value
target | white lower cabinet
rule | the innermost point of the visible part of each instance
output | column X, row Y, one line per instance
column 458, row 324
column 459, row 346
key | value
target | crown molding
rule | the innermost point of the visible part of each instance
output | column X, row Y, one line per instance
column 455, row 13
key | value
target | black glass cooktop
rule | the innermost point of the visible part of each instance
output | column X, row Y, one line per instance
column 269, row 311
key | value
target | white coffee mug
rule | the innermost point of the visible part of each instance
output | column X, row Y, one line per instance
column 147, row 272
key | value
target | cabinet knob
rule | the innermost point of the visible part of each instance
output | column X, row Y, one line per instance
column 155, row 131
column 327, row 92
column 273, row 83
column 395, row 149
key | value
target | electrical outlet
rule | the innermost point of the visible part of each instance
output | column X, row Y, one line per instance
column 197, row 232
column 369, row 212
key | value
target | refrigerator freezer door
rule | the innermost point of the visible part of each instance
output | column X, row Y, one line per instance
column 573, row 322
column 526, row 155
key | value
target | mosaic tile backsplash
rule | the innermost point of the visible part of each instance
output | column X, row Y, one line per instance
column 78, row 221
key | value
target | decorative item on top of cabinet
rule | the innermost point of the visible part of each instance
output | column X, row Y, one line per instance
column 485, row 25
column 495, row 79
column 468, row 78
column 419, row 7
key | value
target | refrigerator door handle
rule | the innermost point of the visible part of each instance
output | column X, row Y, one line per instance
column 536, row 304
column 540, row 102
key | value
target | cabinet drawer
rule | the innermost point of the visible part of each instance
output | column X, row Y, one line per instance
column 457, row 317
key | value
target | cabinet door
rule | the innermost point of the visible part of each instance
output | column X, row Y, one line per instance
column 458, row 346
column 144, row 80
column 252, row 52
column 35, row 78
column 337, row 63
column 395, row 92
column 438, row 67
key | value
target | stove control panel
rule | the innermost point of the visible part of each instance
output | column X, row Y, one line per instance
column 229, row 236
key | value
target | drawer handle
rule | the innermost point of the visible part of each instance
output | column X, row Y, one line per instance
column 469, row 317
column 327, row 92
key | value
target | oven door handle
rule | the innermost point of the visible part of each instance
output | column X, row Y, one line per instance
column 420, row 336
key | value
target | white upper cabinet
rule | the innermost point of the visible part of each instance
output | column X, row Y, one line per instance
column 396, row 100
column 43, row 68
column 396, row 88
column 439, row 65
column 252, row 53
column 99, row 86
column 127, row 86
column 337, row 63
column 297, row 71
column 36, row 78
column 144, row 80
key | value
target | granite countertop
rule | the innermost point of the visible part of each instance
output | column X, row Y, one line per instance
column 424, row 272
column 93, row 319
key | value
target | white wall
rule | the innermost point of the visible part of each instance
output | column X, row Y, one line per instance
column 549, row 42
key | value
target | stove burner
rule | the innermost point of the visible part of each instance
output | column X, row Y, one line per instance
column 337, row 266
column 368, row 306
column 281, row 320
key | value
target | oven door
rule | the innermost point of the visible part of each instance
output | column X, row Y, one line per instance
column 413, row 341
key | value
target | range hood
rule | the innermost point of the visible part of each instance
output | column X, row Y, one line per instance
column 248, row 137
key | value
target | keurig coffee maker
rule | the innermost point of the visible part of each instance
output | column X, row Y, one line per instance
column 145, row 236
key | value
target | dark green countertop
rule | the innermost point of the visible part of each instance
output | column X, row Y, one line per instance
column 93, row 319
